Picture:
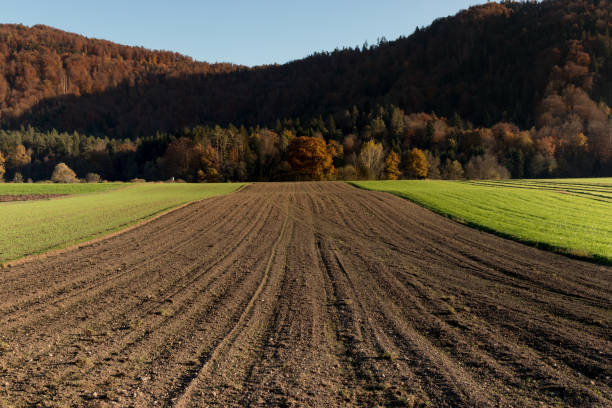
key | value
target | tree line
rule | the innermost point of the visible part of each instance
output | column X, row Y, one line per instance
column 521, row 89
column 385, row 142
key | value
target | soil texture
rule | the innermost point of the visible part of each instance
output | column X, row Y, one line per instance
column 305, row 295
column 28, row 197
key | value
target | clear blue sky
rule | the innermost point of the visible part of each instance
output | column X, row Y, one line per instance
column 244, row 32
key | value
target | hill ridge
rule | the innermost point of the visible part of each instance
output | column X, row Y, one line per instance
column 527, row 82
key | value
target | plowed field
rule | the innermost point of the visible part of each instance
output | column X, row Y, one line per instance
column 27, row 197
column 310, row 294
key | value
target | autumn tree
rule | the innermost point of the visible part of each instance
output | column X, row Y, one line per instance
column 310, row 158
column 2, row 169
column 335, row 149
column 19, row 157
column 285, row 138
column 485, row 167
column 63, row 174
column 4, row 89
column 452, row 170
column 93, row 178
column 392, row 161
column 416, row 164
column 210, row 165
column 371, row 159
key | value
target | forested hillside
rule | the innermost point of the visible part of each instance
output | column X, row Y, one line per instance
column 511, row 89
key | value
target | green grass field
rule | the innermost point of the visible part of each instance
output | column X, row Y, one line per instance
column 34, row 227
column 570, row 216
column 49, row 188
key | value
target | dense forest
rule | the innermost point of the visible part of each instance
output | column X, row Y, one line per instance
column 512, row 89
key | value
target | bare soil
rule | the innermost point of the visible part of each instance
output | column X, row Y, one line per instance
column 28, row 197
column 305, row 294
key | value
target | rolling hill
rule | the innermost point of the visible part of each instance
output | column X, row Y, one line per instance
column 543, row 66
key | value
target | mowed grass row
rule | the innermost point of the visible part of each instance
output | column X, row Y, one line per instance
column 34, row 227
column 594, row 188
column 544, row 213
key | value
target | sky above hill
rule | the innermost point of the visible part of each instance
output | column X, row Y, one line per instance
column 244, row 32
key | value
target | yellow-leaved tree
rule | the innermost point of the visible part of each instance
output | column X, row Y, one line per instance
column 371, row 160
column 392, row 161
column 63, row 174
column 416, row 164
column 19, row 157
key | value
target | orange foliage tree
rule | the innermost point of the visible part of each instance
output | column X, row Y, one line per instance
column 2, row 160
column 310, row 158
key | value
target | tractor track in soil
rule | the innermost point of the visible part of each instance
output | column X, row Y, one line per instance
column 305, row 294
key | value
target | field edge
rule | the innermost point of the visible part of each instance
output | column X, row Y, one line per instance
column 101, row 236
column 568, row 252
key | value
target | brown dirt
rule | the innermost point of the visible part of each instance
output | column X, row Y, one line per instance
column 311, row 294
column 28, row 197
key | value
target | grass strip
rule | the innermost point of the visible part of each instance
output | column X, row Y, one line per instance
column 571, row 224
column 34, row 227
